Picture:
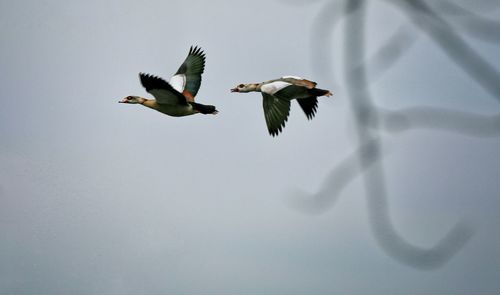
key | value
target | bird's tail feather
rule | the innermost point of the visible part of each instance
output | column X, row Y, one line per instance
column 319, row 92
column 204, row 109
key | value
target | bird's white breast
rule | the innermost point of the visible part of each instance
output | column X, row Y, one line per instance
column 272, row 88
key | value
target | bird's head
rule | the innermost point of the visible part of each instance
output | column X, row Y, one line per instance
column 245, row 88
column 132, row 99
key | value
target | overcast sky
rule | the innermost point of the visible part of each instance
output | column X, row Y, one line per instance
column 98, row 197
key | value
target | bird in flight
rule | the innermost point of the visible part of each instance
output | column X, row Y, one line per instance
column 277, row 95
column 176, row 97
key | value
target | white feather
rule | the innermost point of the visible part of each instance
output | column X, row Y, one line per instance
column 292, row 77
column 272, row 88
column 178, row 82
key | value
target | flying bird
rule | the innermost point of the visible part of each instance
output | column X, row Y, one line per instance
column 277, row 95
column 176, row 97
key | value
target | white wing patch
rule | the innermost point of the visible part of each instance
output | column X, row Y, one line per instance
column 272, row 88
column 178, row 82
column 292, row 77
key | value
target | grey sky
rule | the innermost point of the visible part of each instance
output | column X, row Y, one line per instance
column 98, row 197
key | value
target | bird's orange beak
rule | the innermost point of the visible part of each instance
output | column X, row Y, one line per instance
column 123, row 101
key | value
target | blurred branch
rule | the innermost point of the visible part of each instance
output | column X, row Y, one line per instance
column 369, row 120
column 475, row 25
column 452, row 44
column 445, row 7
column 386, row 57
column 374, row 178
column 418, row 257
column 322, row 29
column 337, row 180
column 439, row 118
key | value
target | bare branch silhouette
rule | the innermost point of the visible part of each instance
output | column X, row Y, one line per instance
column 359, row 72
column 299, row 2
column 443, row 119
column 445, row 7
column 322, row 32
column 475, row 25
column 452, row 44
column 389, row 54
column 339, row 177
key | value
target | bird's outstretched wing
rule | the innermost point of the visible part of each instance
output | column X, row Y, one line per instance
column 309, row 105
column 163, row 92
column 305, row 97
column 188, row 76
column 276, row 112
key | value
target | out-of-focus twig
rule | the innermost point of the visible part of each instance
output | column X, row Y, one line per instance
column 443, row 34
column 473, row 24
column 374, row 180
column 369, row 120
column 322, row 30
column 444, row 7
column 335, row 182
column 390, row 53
column 441, row 119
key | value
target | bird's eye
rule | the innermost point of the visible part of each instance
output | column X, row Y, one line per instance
column 241, row 86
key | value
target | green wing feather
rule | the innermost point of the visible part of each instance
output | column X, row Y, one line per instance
column 292, row 92
column 192, row 68
column 276, row 112
column 163, row 92
column 309, row 106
